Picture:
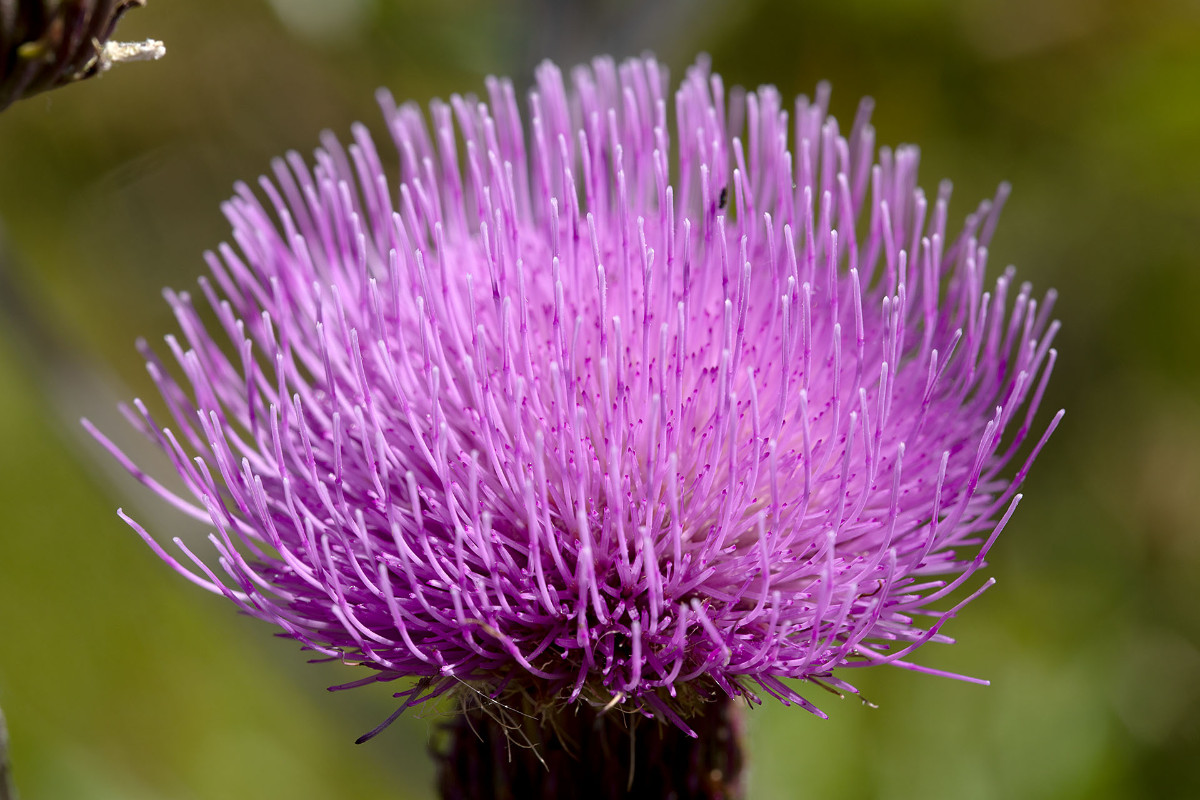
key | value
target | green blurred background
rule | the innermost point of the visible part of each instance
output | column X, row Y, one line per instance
column 120, row 680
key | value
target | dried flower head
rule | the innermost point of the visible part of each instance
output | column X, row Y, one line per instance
column 45, row 44
column 569, row 409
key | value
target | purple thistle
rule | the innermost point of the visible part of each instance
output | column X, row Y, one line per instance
column 570, row 410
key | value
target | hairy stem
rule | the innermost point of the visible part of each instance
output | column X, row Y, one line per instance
column 587, row 754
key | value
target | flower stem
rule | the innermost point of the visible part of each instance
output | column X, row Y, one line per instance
column 7, row 790
column 587, row 754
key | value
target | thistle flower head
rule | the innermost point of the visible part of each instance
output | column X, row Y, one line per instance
column 639, row 396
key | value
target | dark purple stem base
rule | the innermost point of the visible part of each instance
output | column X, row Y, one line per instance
column 585, row 755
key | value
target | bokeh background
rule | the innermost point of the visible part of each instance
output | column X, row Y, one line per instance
column 120, row 680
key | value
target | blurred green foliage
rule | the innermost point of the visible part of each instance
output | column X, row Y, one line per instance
column 120, row 680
